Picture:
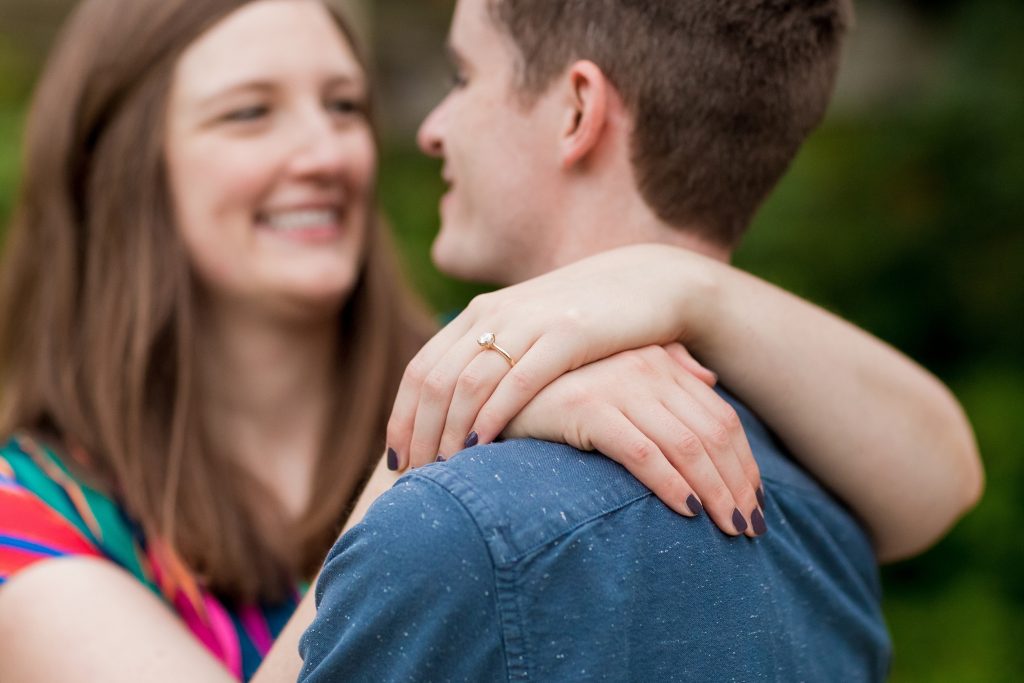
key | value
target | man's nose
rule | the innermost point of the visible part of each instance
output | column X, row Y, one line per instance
column 430, row 136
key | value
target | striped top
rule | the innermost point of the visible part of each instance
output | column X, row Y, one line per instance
column 46, row 513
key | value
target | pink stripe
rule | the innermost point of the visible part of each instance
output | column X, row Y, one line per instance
column 198, row 626
column 256, row 626
column 224, row 630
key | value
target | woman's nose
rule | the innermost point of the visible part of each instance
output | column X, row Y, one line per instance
column 322, row 147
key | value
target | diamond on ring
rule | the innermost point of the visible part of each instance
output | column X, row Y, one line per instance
column 488, row 342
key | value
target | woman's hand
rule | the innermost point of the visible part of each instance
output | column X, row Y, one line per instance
column 653, row 411
column 455, row 392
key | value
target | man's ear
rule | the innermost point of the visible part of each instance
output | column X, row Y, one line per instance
column 587, row 114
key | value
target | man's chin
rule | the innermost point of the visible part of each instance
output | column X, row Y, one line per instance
column 459, row 262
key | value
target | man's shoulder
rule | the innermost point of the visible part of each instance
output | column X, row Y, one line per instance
column 523, row 494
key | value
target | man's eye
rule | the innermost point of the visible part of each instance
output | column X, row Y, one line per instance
column 457, row 80
column 244, row 114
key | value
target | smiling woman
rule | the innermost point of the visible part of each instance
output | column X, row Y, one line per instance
column 272, row 160
column 178, row 346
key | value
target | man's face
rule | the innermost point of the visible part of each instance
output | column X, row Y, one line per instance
column 500, row 160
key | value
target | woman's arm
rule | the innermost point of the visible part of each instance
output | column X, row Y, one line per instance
column 884, row 434
column 85, row 620
column 878, row 429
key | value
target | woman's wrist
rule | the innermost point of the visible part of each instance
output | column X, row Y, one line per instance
column 698, row 286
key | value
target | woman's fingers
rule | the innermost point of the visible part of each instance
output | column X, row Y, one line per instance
column 666, row 438
column 706, row 450
column 543, row 363
column 691, row 435
column 686, row 453
column 682, row 356
column 474, row 386
column 403, row 415
column 436, row 395
column 619, row 438
column 725, row 415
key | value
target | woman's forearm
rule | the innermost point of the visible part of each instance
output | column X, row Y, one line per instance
column 879, row 430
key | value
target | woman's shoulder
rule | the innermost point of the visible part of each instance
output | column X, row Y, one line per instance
column 46, row 512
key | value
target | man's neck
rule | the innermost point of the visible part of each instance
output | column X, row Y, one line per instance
column 589, row 228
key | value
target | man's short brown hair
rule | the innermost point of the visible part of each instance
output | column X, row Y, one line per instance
column 723, row 92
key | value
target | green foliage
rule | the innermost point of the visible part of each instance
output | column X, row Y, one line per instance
column 908, row 222
column 410, row 189
column 13, row 94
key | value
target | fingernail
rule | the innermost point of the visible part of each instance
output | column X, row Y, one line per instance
column 760, row 496
column 392, row 459
column 757, row 520
column 695, row 507
column 472, row 440
column 738, row 521
column 441, row 458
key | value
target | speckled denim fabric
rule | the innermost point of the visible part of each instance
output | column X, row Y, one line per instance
column 536, row 562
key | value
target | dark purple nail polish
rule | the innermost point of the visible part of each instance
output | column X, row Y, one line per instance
column 441, row 458
column 760, row 496
column 472, row 440
column 738, row 521
column 695, row 507
column 757, row 520
column 392, row 459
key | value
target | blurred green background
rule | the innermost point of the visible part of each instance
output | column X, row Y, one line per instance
column 903, row 214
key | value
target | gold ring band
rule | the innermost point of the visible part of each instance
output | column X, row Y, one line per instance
column 487, row 342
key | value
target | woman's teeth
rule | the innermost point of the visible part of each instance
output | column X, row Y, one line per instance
column 301, row 220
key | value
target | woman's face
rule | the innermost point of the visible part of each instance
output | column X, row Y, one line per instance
column 271, row 157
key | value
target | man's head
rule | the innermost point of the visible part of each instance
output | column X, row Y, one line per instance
column 696, row 107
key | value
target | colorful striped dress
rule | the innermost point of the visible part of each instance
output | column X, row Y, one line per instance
column 46, row 513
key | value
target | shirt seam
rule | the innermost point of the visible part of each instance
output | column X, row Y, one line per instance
column 508, row 626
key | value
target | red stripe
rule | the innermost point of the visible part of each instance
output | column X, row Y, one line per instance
column 28, row 517
column 12, row 562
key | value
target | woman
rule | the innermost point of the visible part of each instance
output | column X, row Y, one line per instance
column 201, row 334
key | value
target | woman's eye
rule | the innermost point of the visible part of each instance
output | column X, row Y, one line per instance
column 347, row 106
column 245, row 114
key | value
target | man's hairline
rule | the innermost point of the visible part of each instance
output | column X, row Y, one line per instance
column 527, row 98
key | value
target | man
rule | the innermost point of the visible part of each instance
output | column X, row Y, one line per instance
column 674, row 127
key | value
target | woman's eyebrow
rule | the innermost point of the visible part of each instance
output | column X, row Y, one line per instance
column 256, row 85
column 268, row 86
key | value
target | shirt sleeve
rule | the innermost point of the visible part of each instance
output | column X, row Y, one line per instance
column 407, row 595
column 31, row 530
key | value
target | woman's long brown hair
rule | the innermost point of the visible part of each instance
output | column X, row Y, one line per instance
column 97, row 314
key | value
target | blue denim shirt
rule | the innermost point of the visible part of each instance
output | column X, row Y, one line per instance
column 532, row 561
